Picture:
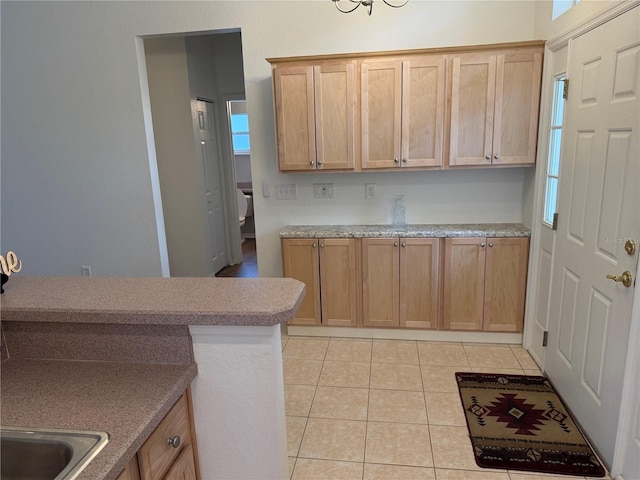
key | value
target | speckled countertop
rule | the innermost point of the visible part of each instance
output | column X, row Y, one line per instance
column 412, row 230
column 160, row 301
column 125, row 400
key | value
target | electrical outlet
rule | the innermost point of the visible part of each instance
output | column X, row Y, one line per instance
column 323, row 190
column 287, row 192
column 85, row 271
column 370, row 191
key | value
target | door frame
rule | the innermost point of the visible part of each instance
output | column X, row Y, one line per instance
column 632, row 367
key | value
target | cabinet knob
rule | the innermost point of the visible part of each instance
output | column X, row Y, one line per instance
column 491, row 244
column 322, row 245
column 404, row 244
column 314, row 245
column 319, row 162
column 311, row 162
column 396, row 160
column 488, row 157
column 174, row 441
column 404, row 160
column 482, row 244
column 496, row 157
column 395, row 244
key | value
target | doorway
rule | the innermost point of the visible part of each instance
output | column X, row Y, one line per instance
column 198, row 197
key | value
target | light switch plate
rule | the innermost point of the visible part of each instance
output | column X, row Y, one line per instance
column 323, row 190
column 369, row 191
column 287, row 191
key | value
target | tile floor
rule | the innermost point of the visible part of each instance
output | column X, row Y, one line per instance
column 382, row 409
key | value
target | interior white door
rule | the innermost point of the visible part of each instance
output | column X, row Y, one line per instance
column 208, row 156
column 590, row 315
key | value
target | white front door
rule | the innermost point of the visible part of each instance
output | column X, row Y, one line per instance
column 590, row 315
column 208, row 156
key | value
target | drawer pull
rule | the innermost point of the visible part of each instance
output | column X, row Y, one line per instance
column 174, row 441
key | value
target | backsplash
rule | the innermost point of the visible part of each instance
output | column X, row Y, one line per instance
column 3, row 346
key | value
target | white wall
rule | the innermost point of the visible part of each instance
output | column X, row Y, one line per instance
column 76, row 183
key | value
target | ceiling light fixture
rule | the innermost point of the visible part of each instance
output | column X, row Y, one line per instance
column 368, row 4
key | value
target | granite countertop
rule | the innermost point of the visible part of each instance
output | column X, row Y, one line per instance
column 126, row 400
column 161, row 301
column 412, row 230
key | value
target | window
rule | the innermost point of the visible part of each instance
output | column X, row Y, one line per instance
column 555, row 144
column 561, row 6
column 239, row 121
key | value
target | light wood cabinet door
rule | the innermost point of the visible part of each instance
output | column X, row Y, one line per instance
column 335, row 107
column 339, row 281
column 518, row 80
column 423, row 103
column 156, row 455
column 464, row 263
column 505, row 284
column 300, row 261
column 381, row 104
column 295, row 117
column 380, row 282
column 472, row 107
column 419, row 282
column 131, row 471
column 183, row 468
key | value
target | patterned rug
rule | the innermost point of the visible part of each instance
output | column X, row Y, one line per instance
column 518, row 422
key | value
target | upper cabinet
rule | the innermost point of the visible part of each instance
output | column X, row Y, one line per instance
column 315, row 116
column 494, row 108
column 416, row 109
column 402, row 112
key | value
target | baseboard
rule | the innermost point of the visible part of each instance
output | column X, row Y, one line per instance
column 402, row 334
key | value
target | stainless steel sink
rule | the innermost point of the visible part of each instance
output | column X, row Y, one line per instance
column 39, row 454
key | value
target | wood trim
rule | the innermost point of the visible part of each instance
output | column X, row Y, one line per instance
column 345, row 280
column 274, row 61
column 429, row 319
column 194, row 443
column 389, row 285
column 313, row 289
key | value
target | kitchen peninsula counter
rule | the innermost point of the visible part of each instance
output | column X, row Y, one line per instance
column 114, row 355
column 495, row 230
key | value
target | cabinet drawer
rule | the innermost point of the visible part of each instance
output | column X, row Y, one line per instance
column 184, row 468
column 156, row 455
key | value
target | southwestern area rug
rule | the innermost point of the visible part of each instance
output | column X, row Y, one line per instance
column 518, row 422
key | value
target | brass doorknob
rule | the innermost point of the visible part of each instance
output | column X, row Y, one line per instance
column 625, row 278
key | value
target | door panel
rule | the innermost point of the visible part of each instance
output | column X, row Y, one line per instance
column 419, row 282
column 590, row 315
column 300, row 261
column 339, row 282
column 212, row 182
column 380, row 282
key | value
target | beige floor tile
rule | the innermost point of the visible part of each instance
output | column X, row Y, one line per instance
column 292, row 464
column 398, row 444
column 445, row 409
column 308, row 348
column 397, row 406
column 395, row 351
column 345, row 374
column 504, row 371
column 489, row 356
column 307, row 469
column 443, row 474
column 284, row 341
column 301, row 372
column 452, row 448
column 295, row 430
column 349, row 350
column 533, row 372
column 341, row 403
column 447, row 354
column 392, row 376
column 440, row 379
column 328, row 439
column 297, row 399
column 373, row 471
column 524, row 359
column 539, row 476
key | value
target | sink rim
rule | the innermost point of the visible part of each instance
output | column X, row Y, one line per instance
column 81, row 455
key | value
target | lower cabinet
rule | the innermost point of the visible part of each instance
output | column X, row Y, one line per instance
column 169, row 452
column 329, row 268
column 484, row 283
column 400, row 282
